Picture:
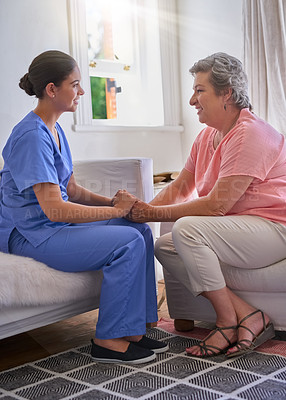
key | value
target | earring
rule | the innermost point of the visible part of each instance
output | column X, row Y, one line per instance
column 224, row 107
column 54, row 95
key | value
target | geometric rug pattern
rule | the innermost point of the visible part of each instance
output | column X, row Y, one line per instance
column 73, row 375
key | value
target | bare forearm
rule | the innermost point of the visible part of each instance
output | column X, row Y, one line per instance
column 201, row 206
column 88, row 198
column 169, row 195
column 57, row 210
column 218, row 202
column 77, row 213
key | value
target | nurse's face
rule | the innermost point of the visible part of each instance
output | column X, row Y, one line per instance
column 68, row 93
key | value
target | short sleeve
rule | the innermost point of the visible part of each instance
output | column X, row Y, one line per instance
column 31, row 160
column 250, row 152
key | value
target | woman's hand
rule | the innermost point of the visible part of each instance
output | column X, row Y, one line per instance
column 141, row 212
column 123, row 201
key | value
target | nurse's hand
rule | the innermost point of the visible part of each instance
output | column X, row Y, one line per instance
column 119, row 195
column 123, row 201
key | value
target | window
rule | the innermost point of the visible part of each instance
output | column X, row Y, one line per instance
column 117, row 46
column 147, row 72
column 110, row 28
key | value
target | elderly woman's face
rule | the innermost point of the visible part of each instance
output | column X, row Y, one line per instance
column 208, row 104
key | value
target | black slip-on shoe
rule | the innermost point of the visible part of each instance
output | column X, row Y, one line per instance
column 152, row 344
column 133, row 355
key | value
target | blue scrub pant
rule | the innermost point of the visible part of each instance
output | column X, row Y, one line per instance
column 124, row 251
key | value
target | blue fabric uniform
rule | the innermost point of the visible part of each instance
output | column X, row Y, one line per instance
column 121, row 249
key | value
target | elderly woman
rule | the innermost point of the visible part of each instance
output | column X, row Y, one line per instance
column 237, row 165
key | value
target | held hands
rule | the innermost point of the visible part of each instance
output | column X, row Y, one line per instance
column 140, row 212
column 131, row 207
column 123, row 202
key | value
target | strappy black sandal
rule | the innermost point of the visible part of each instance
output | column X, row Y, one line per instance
column 208, row 350
column 245, row 345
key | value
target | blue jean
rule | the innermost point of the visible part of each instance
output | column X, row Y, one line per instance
column 124, row 251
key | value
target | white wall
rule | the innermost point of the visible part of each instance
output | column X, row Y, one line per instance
column 28, row 27
column 205, row 27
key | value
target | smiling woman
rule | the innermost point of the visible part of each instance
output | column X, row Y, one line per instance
column 46, row 215
column 57, row 88
column 237, row 165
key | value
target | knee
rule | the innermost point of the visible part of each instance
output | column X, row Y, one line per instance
column 146, row 231
column 179, row 227
column 162, row 247
column 131, row 237
column 138, row 239
column 186, row 229
column 134, row 246
column 158, row 247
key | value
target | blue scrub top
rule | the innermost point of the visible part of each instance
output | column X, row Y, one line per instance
column 31, row 156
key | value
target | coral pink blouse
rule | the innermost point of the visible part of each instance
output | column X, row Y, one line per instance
column 253, row 148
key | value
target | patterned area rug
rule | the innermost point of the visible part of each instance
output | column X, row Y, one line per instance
column 173, row 375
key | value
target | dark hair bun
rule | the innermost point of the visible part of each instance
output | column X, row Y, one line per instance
column 26, row 85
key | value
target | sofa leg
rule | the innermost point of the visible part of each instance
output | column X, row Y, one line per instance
column 183, row 325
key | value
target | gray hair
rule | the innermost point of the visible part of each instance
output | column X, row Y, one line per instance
column 225, row 72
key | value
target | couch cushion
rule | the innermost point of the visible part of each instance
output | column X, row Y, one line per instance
column 266, row 279
column 24, row 281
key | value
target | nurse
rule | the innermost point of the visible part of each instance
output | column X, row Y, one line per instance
column 46, row 215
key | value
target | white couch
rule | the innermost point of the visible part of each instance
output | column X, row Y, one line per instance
column 264, row 288
column 33, row 295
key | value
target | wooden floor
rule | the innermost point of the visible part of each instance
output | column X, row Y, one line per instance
column 58, row 337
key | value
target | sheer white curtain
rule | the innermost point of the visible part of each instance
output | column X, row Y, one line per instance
column 264, row 23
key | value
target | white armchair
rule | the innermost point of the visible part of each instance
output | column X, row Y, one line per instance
column 264, row 288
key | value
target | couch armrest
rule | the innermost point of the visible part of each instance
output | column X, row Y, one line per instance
column 106, row 176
